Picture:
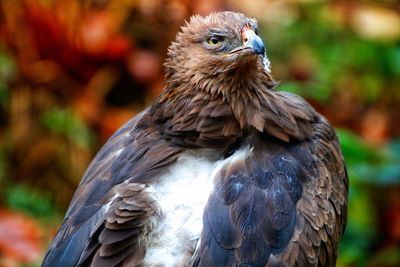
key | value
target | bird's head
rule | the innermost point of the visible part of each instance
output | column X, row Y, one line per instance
column 223, row 46
column 218, row 85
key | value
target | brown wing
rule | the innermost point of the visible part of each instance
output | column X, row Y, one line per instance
column 322, row 209
column 130, row 218
column 133, row 155
column 285, row 204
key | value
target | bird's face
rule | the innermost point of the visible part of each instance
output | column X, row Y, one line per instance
column 220, row 43
column 229, row 45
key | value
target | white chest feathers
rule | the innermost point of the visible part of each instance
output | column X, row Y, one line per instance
column 182, row 195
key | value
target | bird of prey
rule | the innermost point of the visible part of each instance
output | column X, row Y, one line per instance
column 221, row 170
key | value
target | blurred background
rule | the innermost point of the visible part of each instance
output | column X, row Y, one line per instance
column 72, row 72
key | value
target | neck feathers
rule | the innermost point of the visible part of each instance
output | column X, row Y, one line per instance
column 256, row 104
column 211, row 113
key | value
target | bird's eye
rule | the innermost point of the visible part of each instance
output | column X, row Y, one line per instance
column 215, row 40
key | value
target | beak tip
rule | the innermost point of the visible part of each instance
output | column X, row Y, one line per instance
column 257, row 45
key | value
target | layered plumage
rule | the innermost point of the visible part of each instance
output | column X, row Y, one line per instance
column 220, row 171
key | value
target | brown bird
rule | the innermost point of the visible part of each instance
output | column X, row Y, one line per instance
column 220, row 171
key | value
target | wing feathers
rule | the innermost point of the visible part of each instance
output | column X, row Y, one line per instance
column 252, row 212
column 105, row 232
column 284, row 199
column 127, row 223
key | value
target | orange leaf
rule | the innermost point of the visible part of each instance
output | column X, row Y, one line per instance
column 20, row 237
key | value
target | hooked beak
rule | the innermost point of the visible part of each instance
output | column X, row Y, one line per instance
column 252, row 41
column 252, row 44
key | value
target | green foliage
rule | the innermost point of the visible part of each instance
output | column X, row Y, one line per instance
column 7, row 65
column 63, row 122
column 355, row 150
column 7, row 73
column 30, row 201
column 371, row 165
column 389, row 257
column 369, row 168
column 391, row 60
column 340, row 57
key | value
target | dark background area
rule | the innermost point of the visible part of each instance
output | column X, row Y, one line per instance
column 72, row 72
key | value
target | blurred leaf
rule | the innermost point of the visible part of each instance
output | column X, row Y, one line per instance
column 360, row 229
column 3, row 165
column 368, row 164
column 391, row 58
column 8, row 67
column 30, row 201
column 319, row 91
column 63, row 122
column 20, row 237
column 371, row 87
column 290, row 87
column 383, row 174
column 4, row 94
column 394, row 148
column 355, row 150
column 387, row 257
column 7, row 72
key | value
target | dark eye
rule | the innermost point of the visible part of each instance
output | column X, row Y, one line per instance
column 215, row 40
